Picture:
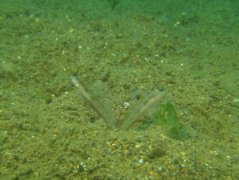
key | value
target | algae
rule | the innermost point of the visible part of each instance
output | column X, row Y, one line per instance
column 166, row 115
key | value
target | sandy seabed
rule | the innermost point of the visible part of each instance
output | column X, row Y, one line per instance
column 122, row 51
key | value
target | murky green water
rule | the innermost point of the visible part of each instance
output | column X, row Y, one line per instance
column 122, row 51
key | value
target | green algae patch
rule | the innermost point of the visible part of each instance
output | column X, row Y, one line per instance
column 166, row 115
